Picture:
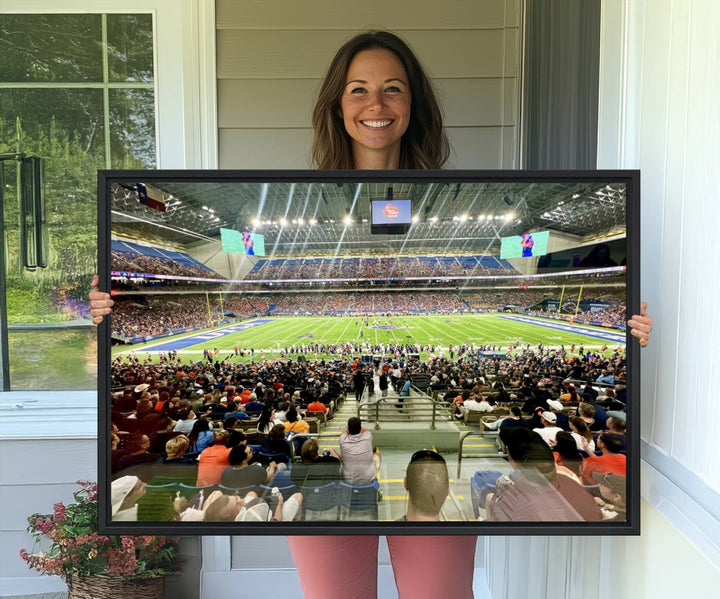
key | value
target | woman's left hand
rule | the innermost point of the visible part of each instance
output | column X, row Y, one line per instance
column 641, row 325
column 100, row 303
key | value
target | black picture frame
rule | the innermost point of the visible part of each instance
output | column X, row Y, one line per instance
column 631, row 526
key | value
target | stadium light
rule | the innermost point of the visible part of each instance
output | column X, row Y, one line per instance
column 463, row 218
column 283, row 221
column 433, row 219
column 313, row 221
column 347, row 220
column 257, row 222
column 576, row 196
column 415, row 219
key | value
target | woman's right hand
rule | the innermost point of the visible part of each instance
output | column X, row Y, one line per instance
column 100, row 303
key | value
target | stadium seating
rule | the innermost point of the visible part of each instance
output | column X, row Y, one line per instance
column 321, row 499
column 358, row 498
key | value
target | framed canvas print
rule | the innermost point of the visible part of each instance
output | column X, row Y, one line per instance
column 369, row 352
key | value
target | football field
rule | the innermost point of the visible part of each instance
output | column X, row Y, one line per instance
column 268, row 336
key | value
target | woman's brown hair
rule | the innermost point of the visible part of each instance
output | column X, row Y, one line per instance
column 424, row 144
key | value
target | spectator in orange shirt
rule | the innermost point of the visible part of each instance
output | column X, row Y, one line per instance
column 317, row 406
column 611, row 461
column 294, row 424
column 214, row 460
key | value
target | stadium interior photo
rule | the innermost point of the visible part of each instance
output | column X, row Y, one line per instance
column 295, row 347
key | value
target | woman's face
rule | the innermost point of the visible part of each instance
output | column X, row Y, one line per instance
column 375, row 106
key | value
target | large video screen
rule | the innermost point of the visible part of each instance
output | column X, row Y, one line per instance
column 390, row 216
column 525, row 245
column 272, row 366
column 391, row 212
column 236, row 242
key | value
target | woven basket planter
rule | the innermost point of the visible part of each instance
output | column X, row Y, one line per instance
column 116, row 587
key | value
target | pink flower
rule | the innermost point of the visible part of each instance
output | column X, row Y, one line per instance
column 59, row 512
column 121, row 562
column 128, row 543
column 43, row 526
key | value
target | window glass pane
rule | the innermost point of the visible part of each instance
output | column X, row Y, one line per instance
column 132, row 128
column 130, row 47
column 56, row 359
column 50, row 48
column 66, row 127
column 54, row 122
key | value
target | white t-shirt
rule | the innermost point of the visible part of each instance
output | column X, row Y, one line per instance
column 477, row 406
column 579, row 442
column 185, row 426
column 548, row 433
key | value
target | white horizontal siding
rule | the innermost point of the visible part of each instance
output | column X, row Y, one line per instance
column 270, row 54
column 271, row 58
column 378, row 14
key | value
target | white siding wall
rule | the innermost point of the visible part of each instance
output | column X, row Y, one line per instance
column 45, row 446
column 660, row 80
column 668, row 125
column 271, row 57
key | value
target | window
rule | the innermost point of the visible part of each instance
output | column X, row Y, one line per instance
column 77, row 90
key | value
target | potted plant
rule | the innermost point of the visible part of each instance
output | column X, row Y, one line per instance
column 67, row 544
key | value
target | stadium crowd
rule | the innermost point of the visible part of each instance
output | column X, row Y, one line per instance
column 369, row 267
column 370, row 302
column 139, row 263
column 177, row 422
column 158, row 315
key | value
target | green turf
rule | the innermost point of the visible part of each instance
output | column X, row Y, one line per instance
column 440, row 330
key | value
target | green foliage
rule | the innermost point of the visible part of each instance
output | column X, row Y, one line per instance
column 66, row 127
column 25, row 303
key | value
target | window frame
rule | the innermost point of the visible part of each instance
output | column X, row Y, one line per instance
column 185, row 105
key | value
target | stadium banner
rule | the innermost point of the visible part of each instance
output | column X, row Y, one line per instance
column 428, row 334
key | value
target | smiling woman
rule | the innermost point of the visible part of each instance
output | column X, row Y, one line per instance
column 363, row 109
column 375, row 108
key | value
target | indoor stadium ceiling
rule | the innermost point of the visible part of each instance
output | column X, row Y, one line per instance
column 311, row 217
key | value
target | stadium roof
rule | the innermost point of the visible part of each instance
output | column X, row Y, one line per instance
column 310, row 217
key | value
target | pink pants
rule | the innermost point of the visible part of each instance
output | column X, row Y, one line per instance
column 346, row 567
